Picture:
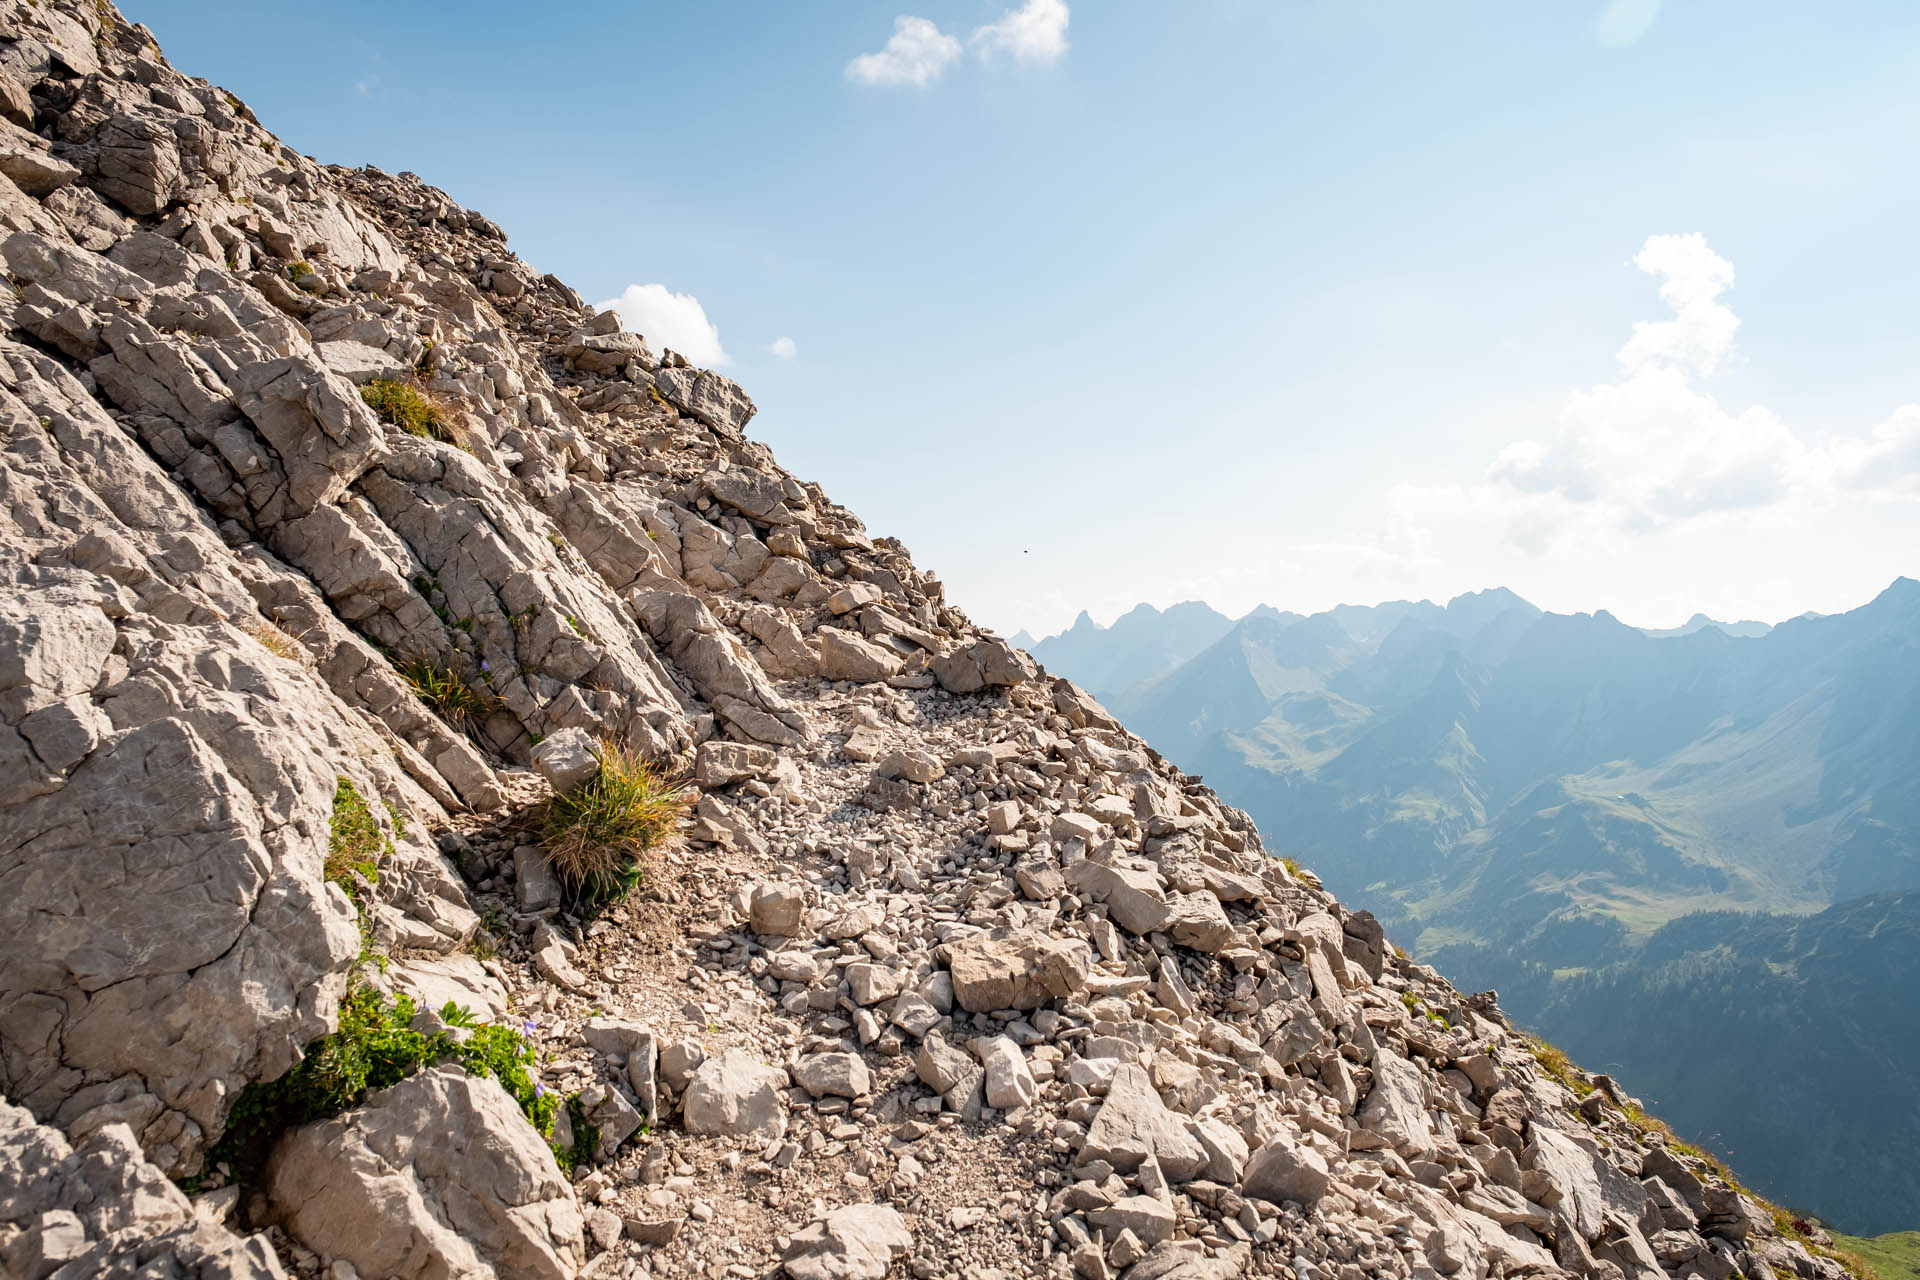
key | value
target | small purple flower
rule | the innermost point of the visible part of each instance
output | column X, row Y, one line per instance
column 529, row 1027
column 484, row 666
column 539, row 1090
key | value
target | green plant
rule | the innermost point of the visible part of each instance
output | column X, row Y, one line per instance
column 375, row 1047
column 355, row 842
column 299, row 270
column 586, row 1137
column 412, row 408
column 441, row 686
column 596, row 833
column 1293, row 868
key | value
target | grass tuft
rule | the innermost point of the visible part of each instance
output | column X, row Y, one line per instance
column 278, row 643
column 412, row 408
column 596, row 833
column 441, row 686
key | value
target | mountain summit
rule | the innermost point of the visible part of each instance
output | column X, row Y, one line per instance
column 469, row 812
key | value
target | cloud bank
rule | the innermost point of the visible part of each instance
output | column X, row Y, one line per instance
column 1654, row 451
column 919, row 53
column 670, row 320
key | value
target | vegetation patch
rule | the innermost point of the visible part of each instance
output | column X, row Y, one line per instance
column 443, row 687
column 278, row 643
column 355, row 843
column 412, row 408
column 376, row 1047
column 586, row 1137
column 596, row 833
column 1895, row 1256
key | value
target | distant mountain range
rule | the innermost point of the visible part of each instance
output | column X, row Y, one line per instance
column 1547, row 803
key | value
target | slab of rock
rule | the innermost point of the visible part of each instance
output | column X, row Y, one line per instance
column 853, row 1242
column 914, row 766
column 949, row 1072
column 776, row 909
column 1283, row 1169
column 1150, row 1219
column 458, row 978
column 535, row 886
column 1396, row 1108
column 1135, row 898
column 845, row 656
column 1008, row 969
column 439, row 1175
column 719, row 763
column 1008, row 1082
column 838, row 1075
column 987, row 663
column 1133, row 1124
column 736, row 1094
column 1199, row 921
column 566, row 758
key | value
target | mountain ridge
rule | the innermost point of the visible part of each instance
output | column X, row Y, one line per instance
column 468, row 811
column 1522, row 792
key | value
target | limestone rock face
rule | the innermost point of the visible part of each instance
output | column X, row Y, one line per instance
column 437, row 1176
column 101, row 1209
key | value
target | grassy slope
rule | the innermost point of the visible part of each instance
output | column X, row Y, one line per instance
column 1893, row 1257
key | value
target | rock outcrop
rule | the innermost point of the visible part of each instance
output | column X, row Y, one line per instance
column 948, row 974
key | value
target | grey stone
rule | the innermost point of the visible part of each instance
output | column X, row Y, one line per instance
column 438, row 1175
column 567, row 758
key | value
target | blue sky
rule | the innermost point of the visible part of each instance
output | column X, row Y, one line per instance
column 1290, row 301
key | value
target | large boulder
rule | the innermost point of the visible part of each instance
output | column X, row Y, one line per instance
column 987, row 663
column 1283, row 1169
column 438, row 1176
column 1133, row 1124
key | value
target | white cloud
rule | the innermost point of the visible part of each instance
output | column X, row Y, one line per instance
column 1624, row 21
column 670, row 320
column 1654, row 450
column 1036, row 32
column 917, row 54
column 784, row 348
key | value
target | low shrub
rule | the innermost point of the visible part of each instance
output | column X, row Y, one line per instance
column 278, row 643
column 412, row 408
column 596, row 833
column 375, row 1047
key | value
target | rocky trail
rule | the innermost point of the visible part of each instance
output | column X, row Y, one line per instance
column 946, row 976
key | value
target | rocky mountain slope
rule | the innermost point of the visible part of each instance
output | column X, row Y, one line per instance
column 1528, row 798
column 949, row 976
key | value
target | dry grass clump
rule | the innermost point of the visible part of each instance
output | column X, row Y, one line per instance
column 596, row 834
column 441, row 686
column 412, row 408
column 278, row 643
